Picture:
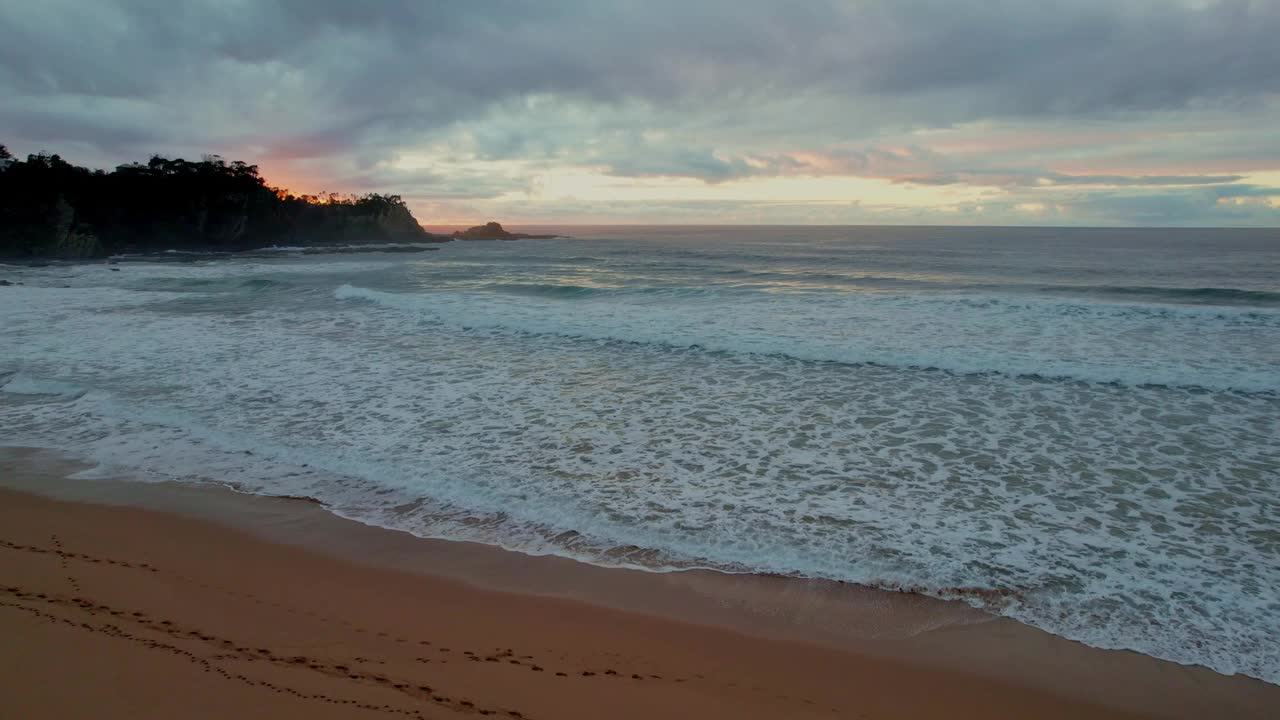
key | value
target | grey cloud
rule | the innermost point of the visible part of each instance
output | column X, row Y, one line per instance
column 1162, row 209
column 430, row 185
column 1195, row 206
column 413, row 66
column 1150, row 180
column 914, row 165
column 1031, row 178
column 698, row 163
column 1081, row 56
column 343, row 89
column 1242, row 191
column 1183, row 207
column 74, row 124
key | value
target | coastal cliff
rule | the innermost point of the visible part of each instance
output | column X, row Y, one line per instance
column 50, row 208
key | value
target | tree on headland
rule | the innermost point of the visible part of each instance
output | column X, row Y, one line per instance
column 4, row 153
column 51, row 208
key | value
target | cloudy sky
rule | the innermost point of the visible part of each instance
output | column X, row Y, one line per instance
column 1094, row 112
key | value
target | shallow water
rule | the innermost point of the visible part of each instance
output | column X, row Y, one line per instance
column 1075, row 428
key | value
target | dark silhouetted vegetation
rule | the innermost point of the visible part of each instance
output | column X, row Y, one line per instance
column 51, row 208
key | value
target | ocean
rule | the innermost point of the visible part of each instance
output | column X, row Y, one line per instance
column 1075, row 428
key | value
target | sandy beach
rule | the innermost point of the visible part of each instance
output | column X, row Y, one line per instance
column 619, row 360
column 111, row 611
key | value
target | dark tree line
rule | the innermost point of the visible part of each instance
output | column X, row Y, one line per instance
column 51, row 208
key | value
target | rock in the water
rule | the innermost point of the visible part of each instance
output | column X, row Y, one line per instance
column 494, row 231
column 488, row 231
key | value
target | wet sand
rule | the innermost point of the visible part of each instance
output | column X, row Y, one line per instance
column 112, row 611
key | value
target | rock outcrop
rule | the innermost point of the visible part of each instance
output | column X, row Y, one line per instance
column 494, row 231
column 48, row 229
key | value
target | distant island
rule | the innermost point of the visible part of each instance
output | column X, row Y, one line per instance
column 494, row 231
column 51, row 209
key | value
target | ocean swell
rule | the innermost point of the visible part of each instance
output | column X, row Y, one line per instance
column 1098, row 461
column 964, row 334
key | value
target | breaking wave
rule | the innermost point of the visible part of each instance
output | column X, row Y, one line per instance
column 965, row 335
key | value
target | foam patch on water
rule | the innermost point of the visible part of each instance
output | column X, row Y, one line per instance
column 20, row 384
column 129, row 274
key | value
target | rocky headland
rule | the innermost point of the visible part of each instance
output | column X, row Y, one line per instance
column 53, row 210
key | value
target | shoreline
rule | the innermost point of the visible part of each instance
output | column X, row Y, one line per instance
column 194, row 253
column 910, row 639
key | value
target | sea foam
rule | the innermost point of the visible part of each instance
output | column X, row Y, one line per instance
column 744, row 429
